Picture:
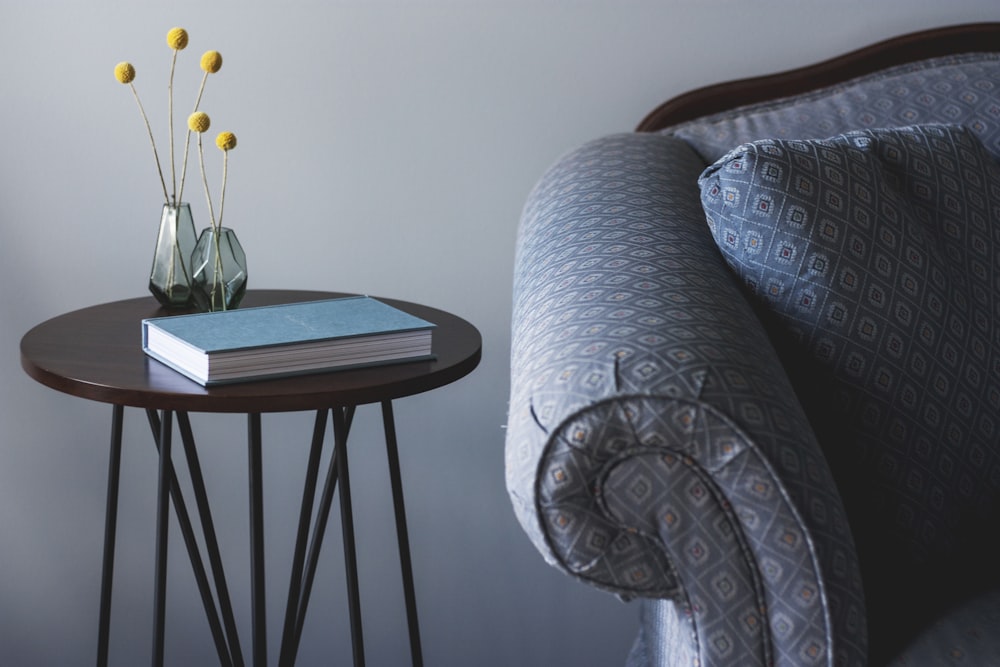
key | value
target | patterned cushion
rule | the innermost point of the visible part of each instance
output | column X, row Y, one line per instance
column 876, row 259
column 631, row 345
column 961, row 90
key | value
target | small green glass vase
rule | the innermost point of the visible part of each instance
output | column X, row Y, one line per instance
column 171, row 275
column 220, row 270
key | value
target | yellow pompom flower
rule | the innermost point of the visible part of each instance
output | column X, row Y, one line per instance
column 211, row 61
column 124, row 72
column 199, row 122
column 226, row 141
column 177, row 38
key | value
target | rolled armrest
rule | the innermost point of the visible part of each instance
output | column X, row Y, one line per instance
column 655, row 447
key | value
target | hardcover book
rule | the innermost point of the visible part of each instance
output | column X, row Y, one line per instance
column 288, row 339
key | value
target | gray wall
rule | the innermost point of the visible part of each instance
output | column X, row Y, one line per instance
column 386, row 147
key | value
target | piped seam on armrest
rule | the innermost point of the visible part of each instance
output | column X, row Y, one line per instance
column 555, row 437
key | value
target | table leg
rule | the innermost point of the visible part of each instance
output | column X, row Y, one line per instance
column 187, row 530
column 235, row 655
column 402, row 535
column 110, row 529
column 316, row 543
column 162, row 518
column 289, row 643
column 347, row 528
column 259, row 612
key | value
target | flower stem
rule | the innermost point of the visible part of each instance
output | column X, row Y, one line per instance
column 225, row 177
column 187, row 140
column 184, row 165
column 152, row 141
column 170, row 121
column 217, row 265
column 204, row 180
column 217, row 274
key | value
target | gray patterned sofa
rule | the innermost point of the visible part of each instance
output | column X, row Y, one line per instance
column 756, row 364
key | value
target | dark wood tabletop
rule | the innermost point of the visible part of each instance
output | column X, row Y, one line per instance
column 96, row 353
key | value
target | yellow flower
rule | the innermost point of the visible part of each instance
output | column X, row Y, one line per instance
column 177, row 38
column 211, row 61
column 124, row 72
column 199, row 121
column 226, row 141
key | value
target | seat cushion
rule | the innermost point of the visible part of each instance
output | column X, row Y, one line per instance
column 876, row 263
column 969, row 635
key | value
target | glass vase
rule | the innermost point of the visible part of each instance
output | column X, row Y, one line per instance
column 171, row 275
column 220, row 270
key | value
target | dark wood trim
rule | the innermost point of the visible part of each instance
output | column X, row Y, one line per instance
column 968, row 38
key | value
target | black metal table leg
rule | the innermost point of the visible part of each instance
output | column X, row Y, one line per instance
column 402, row 535
column 306, row 554
column 259, row 612
column 347, row 528
column 110, row 530
column 162, row 517
column 289, row 645
column 235, row 654
column 316, row 543
column 191, row 542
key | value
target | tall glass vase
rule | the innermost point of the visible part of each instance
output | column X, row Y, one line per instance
column 171, row 275
column 220, row 270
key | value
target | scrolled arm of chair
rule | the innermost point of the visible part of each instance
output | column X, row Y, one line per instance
column 655, row 447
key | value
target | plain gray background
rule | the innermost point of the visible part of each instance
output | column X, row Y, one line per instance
column 385, row 147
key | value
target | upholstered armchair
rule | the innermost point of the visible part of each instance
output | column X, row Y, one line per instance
column 756, row 364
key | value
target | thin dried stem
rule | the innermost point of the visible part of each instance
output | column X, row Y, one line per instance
column 217, row 264
column 187, row 140
column 201, row 89
column 184, row 166
column 204, row 180
column 170, row 121
column 225, row 177
column 152, row 141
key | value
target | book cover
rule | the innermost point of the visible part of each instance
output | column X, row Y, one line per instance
column 286, row 339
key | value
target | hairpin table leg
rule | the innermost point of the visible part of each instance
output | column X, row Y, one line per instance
column 402, row 536
column 110, row 529
column 347, row 528
column 162, row 516
column 257, row 542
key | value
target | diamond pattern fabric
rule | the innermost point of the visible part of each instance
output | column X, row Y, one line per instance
column 876, row 251
column 960, row 90
column 652, row 430
column 668, row 439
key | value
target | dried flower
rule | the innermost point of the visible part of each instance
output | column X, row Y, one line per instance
column 177, row 38
column 211, row 61
column 199, row 122
column 226, row 141
column 124, row 72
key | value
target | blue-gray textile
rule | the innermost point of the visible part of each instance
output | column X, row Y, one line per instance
column 876, row 253
column 669, row 440
column 655, row 446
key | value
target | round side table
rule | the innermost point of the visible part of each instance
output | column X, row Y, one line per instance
column 95, row 353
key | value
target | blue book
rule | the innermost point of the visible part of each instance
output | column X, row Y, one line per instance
column 288, row 339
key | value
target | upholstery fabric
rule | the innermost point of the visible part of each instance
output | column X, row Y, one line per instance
column 878, row 253
column 655, row 447
column 961, row 90
column 966, row 636
column 649, row 394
